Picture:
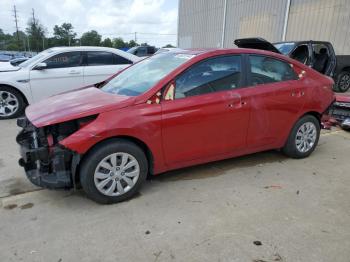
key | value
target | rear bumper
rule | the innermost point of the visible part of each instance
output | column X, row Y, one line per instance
column 48, row 167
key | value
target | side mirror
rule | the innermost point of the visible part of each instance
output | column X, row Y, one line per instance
column 40, row 66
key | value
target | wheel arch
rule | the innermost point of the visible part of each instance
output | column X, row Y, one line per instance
column 25, row 99
column 137, row 141
column 345, row 68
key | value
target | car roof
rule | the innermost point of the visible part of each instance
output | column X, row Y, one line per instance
column 93, row 48
column 222, row 51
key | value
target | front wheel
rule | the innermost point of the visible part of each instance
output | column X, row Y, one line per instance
column 113, row 171
column 11, row 103
column 303, row 138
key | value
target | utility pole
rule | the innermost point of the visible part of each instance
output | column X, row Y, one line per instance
column 135, row 37
column 33, row 15
column 16, row 22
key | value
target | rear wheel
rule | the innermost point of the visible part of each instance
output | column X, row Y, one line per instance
column 114, row 171
column 303, row 138
column 343, row 82
column 11, row 103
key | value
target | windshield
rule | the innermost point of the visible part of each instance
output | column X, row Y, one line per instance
column 132, row 50
column 140, row 77
column 35, row 58
column 285, row 48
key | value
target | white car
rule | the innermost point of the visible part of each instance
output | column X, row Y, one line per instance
column 54, row 71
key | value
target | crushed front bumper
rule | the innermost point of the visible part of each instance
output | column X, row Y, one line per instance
column 45, row 166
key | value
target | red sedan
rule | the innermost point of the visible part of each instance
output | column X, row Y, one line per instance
column 172, row 110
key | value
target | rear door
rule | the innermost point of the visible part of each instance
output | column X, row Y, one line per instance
column 276, row 98
column 64, row 72
column 99, row 65
column 206, row 115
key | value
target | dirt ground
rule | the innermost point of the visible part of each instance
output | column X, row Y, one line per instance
column 262, row 207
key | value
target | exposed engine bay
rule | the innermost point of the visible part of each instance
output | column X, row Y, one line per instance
column 46, row 162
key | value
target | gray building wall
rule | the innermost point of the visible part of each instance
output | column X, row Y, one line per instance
column 201, row 22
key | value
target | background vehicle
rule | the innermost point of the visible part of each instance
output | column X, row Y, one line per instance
column 340, row 111
column 54, row 71
column 142, row 50
column 172, row 110
column 319, row 55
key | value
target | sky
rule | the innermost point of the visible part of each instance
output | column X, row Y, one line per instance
column 154, row 21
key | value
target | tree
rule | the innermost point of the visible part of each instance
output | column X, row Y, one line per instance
column 119, row 43
column 107, row 42
column 36, row 34
column 168, row 46
column 132, row 43
column 91, row 38
column 64, row 34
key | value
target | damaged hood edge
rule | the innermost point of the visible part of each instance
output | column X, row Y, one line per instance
column 74, row 105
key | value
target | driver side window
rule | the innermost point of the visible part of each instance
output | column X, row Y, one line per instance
column 212, row 75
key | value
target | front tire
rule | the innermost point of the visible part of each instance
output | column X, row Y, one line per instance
column 113, row 171
column 11, row 103
column 303, row 138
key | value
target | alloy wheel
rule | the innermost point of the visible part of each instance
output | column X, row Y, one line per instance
column 116, row 174
column 8, row 104
column 306, row 137
column 344, row 83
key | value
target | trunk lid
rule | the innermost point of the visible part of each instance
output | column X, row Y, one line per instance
column 256, row 43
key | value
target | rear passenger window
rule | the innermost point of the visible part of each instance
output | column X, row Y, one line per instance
column 212, row 75
column 265, row 69
column 96, row 58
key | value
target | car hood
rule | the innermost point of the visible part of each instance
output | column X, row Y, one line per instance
column 7, row 67
column 342, row 98
column 256, row 43
column 73, row 105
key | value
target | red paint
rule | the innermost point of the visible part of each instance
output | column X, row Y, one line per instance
column 342, row 98
column 196, row 129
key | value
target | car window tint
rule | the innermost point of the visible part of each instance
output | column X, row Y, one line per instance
column 265, row 69
column 212, row 75
column 69, row 59
column 119, row 60
column 97, row 58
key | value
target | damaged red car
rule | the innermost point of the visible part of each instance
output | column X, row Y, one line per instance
column 172, row 110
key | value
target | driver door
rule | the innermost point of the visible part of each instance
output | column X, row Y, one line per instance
column 62, row 73
column 204, row 114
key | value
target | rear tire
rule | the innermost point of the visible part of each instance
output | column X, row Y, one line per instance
column 11, row 103
column 303, row 138
column 343, row 82
column 113, row 171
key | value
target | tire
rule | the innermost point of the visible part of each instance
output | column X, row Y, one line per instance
column 97, row 168
column 343, row 82
column 294, row 146
column 11, row 98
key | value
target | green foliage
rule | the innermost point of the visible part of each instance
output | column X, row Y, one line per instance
column 36, row 34
column 91, row 38
column 107, row 43
column 168, row 46
column 63, row 35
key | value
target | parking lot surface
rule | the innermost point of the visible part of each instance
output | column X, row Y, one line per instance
column 262, row 207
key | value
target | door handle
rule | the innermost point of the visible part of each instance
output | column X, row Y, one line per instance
column 74, row 72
